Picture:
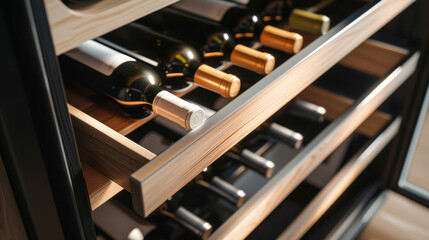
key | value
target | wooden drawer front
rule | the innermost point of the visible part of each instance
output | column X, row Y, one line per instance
column 71, row 27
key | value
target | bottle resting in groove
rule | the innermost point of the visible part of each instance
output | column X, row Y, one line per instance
column 206, row 180
column 176, row 62
column 277, row 12
column 172, row 209
column 246, row 27
column 213, row 42
column 133, row 85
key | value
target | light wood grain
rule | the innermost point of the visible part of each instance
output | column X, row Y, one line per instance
column 102, row 109
column 107, row 111
column 248, row 217
column 374, row 57
column 398, row 218
column 11, row 226
column 106, row 150
column 336, row 104
column 176, row 166
column 100, row 188
column 71, row 27
column 418, row 172
column 338, row 184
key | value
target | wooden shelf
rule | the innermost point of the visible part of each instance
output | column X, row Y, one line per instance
column 394, row 216
column 71, row 27
column 152, row 179
column 100, row 188
column 171, row 170
column 339, row 183
column 242, row 222
column 336, row 104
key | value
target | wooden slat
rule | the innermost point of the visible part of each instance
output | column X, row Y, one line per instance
column 374, row 57
column 105, row 110
column 171, row 170
column 100, row 188
column 248, row 217
column 102, row 109
column 336, row 104
column 106, row 150
column 71, row 27
column 339, row 183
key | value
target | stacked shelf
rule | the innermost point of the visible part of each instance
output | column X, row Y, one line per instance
column 73, row 26
column 112, row 162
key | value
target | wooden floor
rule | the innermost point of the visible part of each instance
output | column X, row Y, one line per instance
column 418, row 173
column 398, row 218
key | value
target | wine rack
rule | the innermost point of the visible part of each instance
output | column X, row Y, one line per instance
column 111, row 162
column 152, row 182
column 256, row 209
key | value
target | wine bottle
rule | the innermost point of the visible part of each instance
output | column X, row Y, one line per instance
column 75, row 1
column 307, row 110
column 119, row 222
column 173, row 210
column 251, row 160
column 215, row 185
column 236, row 154
column 282, row 134
column 135, row 86
column 274, row 130
column 304, row 4
column 176, row 62
column 213, row 42
column 245, row 26
column 276, row 12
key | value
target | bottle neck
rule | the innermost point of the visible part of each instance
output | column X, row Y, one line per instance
column 218, row 46
column 245, row 26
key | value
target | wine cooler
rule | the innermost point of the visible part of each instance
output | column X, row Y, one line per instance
column 213, row 119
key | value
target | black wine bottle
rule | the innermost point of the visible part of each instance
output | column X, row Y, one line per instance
column 245, row 26
column 117, row 221
column 307, row 110
column 281, row 134
column 251, row 160
column 76, row 1
column 135, row 86
column 277, row 12
column 219, row 187
column 175, row 61
column 213, row 42
column 172, row 209
column 305, row 4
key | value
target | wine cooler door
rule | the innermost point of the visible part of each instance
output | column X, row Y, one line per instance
column 414, row 177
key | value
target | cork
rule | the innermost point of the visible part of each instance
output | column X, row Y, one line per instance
column 280, row 39
column 175, row 109
column 254, row 60
column 309, row 22
column 225, row 84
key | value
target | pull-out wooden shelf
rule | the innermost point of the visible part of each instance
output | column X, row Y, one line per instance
column 242, row 222
column 152, row 179
column 71, row 27
column 339, row 183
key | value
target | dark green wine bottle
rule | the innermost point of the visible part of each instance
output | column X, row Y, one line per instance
column 213, row 42
column 177, row 62
column 246, row 27
column 276, row 12
column 134, row 85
